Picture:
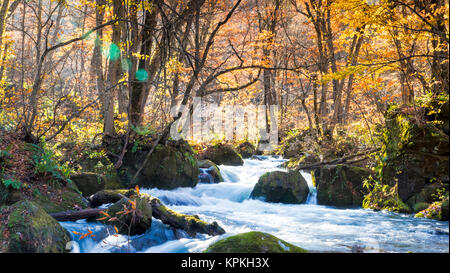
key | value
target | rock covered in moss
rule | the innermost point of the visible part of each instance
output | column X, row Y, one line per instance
column 438, row 211
column 340, row 185
column 428, row 195
column 383, row 197
column 415, row 152
column 27, row 228
column 169, row 166
column 133, row 215
column 246, row 149
column 88, row 183
column 253, row 242
column 281, row 187
column 222, row 154
column 60, row 198
column 211, row 169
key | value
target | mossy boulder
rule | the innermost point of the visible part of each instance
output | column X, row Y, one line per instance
column 59, row 198
column 281, row 187
column 253, row 242
column 88, row 183
column 415, row 152
column 340, row 185
column 246, row 149
column 222, row 154
column 27, row 228
column 169, row 166
column 428, row 195
column 211, row 169
column 133, row 215
column 437, row 210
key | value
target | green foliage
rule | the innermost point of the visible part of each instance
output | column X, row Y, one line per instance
column 45, row 163
column 143, row 130
column 383, row 197
column 13, row 183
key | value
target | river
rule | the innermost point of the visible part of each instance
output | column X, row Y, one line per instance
column 313, row 227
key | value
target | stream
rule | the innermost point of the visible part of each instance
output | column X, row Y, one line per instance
column 313, row 227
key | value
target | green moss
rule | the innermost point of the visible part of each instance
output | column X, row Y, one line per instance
column 65, row 199
column 253, row 242
column 138, row 221
column 31, row 230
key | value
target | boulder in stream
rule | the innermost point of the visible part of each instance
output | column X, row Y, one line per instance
column 211, row 169
column 282, row 187
column 340, row 185
column 253, row 242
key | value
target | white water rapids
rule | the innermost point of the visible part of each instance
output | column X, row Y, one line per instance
column 310, row 226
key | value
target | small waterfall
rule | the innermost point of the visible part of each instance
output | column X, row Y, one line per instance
column 312, row 196
column 204, row 176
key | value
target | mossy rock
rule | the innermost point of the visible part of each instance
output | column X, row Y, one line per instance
column 414, row 153
column 60, row 199
column 29, row 229
column 211, row 169
column 138, row 221
column 88, row 183
column 222, row 154
column 169, row 166
column 428, row 195
column 253, row 242
column 340, row 185
column 437, row 211
column 281, row 187
column 246, row 149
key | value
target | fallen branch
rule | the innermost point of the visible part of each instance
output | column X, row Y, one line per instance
column 74, row 215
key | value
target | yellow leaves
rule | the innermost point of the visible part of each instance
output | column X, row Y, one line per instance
column 133, row 204
column 140, row 56
column 105, row 213
column 85, row 235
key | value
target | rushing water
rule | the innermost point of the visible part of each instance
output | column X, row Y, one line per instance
column 311, row 226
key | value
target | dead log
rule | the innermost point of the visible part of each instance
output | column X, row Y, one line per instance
column 74, row 215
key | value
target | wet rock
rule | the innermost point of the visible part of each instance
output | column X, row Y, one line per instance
column 253, row 242
column 340, row 185
column 212, row 170
column 134, row 215
column 283, row 187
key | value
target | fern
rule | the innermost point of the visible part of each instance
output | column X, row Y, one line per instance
column 15, row 184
